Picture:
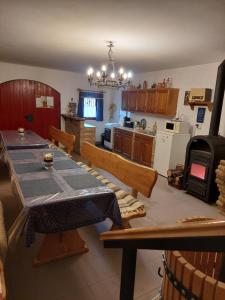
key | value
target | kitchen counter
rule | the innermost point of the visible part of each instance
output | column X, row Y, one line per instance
column 87, row 125
column 139, row 131
column 83, row 131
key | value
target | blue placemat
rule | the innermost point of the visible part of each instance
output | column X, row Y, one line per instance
column 21, row 155
column 83, row 181
column 28, row 167
column 65, row 165
column 39, row 187
column 58, row 153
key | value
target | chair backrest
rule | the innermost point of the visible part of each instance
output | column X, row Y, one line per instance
column 140, row 178
column 3, row 235
column 58, row 136
column 2, row 282
column 3, row 251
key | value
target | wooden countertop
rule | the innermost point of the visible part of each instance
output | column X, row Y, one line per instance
column 144, row 132
column 75, row 118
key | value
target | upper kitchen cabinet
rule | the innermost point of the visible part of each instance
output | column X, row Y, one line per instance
column 166, row 102
column 150, row 101
column 160, row 101
column 141, row 100
column 132, row 100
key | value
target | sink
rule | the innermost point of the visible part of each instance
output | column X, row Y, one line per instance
column 145, row 131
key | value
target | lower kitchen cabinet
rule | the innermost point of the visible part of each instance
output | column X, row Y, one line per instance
column 123, row 142
column 142, row 152
column 137, row 147
column 117, row 141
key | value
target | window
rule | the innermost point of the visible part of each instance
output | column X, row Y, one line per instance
column 90, row 105
column 90, row 108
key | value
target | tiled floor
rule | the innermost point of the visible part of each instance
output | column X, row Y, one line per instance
column 96, row 274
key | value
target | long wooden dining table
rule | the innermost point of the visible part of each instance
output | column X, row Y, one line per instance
column 59, row 200
column 12, row 139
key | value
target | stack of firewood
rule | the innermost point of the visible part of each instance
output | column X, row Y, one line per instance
column 175, row 176
column 220, row 181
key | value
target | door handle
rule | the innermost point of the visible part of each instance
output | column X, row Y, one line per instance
column 29, row 117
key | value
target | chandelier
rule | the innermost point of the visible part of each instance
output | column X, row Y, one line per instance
column 108, row 77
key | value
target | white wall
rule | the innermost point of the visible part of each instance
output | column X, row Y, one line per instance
column 66, row 83
column 202, row 76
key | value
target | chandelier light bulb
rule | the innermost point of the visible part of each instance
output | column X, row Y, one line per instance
column 104, row 68
column 90, row 71
column 113, row 75
column 129, row 75
column 98, row 74
column 121, row 71
column 125, row 76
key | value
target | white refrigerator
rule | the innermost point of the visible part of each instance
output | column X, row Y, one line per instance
column 170, row 150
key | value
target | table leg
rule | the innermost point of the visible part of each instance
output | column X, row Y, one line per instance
column 57, row 246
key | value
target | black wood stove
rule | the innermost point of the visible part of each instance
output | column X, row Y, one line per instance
column 205, row 151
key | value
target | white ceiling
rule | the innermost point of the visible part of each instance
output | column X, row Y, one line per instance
column 149, row 34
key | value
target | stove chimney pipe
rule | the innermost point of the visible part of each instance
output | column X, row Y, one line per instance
column 218, row 100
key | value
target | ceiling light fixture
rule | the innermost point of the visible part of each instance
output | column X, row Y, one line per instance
column 108, row 77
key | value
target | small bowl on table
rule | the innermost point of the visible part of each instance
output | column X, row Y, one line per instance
column 48, row 160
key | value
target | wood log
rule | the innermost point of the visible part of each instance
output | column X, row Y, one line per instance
column 221, row 168
column 219, row 181
column 221, row 177
column 180, row 167
column 174, row 173
column 220, row 174
column 222, row 162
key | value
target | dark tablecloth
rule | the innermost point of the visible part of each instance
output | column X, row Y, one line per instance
column 11, row 139
column 62, row 198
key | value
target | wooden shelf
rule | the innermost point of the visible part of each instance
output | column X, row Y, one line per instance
column 201, row 103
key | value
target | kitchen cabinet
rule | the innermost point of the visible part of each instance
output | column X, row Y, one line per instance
column 117, row 141
column 150, row 100
column 135, row 146
column 142, row 152
column 132, row 100
column 160, row 101
column 141, row 100
column 123, row 142
column 127, row 143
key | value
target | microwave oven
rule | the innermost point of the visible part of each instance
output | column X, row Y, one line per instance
column 176, row 126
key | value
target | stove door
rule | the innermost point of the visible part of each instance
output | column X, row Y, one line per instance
column 108, row 133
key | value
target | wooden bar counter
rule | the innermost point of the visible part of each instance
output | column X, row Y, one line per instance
column 83, row 131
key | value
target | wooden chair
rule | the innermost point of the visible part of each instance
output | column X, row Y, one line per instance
column 58, row 136
column 8, row 239
column 140, row 178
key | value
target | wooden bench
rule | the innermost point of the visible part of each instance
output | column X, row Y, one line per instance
column 140, row 178
column 58, row 136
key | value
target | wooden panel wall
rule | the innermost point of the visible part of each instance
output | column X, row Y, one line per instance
column 18, row 99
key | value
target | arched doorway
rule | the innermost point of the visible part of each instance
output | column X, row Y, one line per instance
column 29, row 104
